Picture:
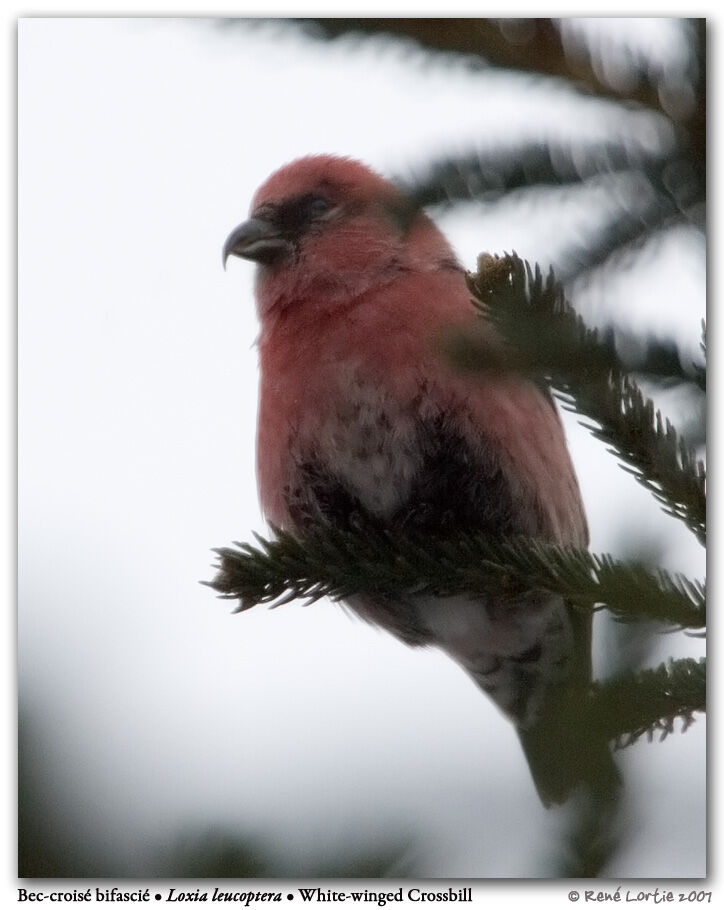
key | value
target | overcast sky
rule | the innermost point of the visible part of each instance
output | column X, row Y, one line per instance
column 141, row 144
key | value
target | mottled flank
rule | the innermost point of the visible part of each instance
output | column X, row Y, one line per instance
column 402, row 474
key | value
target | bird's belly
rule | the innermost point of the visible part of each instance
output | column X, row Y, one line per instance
column 471, row 629
column 368, row 446
column 513, row 649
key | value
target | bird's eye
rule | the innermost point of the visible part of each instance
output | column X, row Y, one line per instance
column 297, row 215
column 318, row 206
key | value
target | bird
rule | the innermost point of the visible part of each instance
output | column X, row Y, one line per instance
column 362, row 422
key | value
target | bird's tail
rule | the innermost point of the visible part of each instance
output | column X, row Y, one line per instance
column 566, row 753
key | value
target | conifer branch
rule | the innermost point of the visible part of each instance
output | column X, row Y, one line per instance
column 622, row 710
column 658, row 360
column 650, row 701
column 641, row 205
column 547, row 338
column 542, row 53
column 531, row 165
column 329, row 562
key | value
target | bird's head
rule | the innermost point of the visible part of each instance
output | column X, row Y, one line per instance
column 328, row 229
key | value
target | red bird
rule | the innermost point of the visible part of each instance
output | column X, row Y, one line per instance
column 362, row 421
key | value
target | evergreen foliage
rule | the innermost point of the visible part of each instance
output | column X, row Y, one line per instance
column 548, row 338
column 650, row 701
column 337, row 563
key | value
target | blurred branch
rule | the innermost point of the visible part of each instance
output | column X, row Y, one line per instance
column 658, row 359
column 649, row 194
column 218, row 853
column 549, row 339
column 529, row 45
column 330, row 562
column 617, row 242
column 536, row 46
column 490, row 173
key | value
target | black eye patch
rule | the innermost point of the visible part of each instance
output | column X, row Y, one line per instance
column 294, row 216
